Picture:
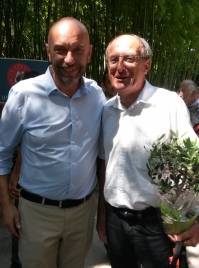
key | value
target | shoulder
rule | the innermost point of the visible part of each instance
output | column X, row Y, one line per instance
column 161, row 94
column 160, row 90
column 169, row 102
column 91, row 84
column 94, row 89
column 24, row 89
column 25, row 85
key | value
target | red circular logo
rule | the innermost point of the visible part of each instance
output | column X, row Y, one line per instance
column 15, row 71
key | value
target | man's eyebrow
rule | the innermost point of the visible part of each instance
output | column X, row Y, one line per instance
column 58, row 45
column 74, row 46
column 80, row 45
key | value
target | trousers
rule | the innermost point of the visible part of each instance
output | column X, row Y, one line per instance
column 53, row 237
column 136, row 237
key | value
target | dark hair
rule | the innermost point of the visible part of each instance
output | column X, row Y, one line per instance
column 30, row 74
column 104, row 76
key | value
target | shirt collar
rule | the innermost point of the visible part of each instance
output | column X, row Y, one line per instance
column 50, row 86
column 83, row 89
column 144, row 96
column 193, row 104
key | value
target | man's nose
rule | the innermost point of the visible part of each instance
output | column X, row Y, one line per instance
column 120, row 64
column 180, row 94
column 69, row 59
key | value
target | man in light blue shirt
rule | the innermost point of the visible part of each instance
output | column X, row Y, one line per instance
column 56, row 119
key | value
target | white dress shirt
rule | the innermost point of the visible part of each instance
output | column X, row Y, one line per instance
column 127, row 133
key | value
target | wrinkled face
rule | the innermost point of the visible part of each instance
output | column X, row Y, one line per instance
column 126, row 69
column 186, row 94
column 108, row 88
column 69, row 51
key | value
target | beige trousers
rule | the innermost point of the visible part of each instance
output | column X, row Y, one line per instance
column 55, row 238
column 193, row 256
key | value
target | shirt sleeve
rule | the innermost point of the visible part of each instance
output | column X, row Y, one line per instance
column 101, row 152
column 11, row 125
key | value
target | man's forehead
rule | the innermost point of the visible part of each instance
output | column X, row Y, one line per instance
column 75, row 43
column 184, row 85
column 65, row 40
column 125, row 43
column 67, row 30
column 184, row 88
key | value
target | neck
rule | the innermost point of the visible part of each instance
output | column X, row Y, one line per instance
column 129, row 96
column 193, row 102
column 128, row 99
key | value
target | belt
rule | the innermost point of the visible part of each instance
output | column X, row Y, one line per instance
column 67, row 203
column 126, row 213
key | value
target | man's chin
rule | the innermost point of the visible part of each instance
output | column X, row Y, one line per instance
column 119, row 87
column 69, row 81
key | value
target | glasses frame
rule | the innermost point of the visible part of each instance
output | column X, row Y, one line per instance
column 132, row 59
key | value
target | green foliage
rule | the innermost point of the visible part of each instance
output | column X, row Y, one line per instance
column 173, row 166
column 171, row 28
column 169, row 212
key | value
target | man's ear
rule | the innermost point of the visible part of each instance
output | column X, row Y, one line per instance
column 147, row 66
column 48, row 52
column 194, row 93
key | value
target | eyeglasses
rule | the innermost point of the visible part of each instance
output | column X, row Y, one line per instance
column 128, row 58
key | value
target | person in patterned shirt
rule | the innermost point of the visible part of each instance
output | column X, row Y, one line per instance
column 188, row 91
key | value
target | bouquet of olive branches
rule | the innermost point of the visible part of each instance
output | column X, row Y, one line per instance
column 174, row 168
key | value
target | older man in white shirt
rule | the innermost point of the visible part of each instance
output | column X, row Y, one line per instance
column 131, row 122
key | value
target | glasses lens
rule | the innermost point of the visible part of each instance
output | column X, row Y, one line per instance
column 113, row 60
column 129, row 58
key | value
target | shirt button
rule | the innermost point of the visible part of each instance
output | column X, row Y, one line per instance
column 72, row 142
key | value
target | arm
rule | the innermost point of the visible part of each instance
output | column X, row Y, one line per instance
column 101, row 203
column 14, row 192
column 10, row 214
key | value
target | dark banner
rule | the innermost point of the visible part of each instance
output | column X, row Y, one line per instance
column 10, row 69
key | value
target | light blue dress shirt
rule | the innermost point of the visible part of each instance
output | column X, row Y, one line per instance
column 58, row 136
